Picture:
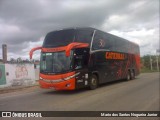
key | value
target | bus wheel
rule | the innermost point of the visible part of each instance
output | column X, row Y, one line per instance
column 93, row 82
column 128, row 76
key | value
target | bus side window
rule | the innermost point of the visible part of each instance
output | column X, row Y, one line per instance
column 103, row 41
column 81, row 58
column 78, row 62
column 96, row 41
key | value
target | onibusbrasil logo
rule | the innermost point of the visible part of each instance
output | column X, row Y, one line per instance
column 21, row 114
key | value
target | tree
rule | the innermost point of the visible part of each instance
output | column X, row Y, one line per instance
column 145, row 61
column 19, row 59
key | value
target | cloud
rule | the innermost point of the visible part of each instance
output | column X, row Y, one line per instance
column 23, row 24
column 146, row 39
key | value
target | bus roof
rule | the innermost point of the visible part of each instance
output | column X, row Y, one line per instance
column 92, row 29
column 66, row 36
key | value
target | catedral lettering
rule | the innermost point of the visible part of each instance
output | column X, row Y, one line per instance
column 85, row 57
column 113, row 55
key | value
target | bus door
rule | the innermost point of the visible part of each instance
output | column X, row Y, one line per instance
column 81, row 56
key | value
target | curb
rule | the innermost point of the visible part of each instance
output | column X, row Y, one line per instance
column 15, row 88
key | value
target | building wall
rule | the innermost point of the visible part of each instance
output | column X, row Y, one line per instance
column 37, row 74
column 20, row 75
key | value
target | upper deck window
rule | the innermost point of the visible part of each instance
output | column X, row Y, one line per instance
column 59, row 38
column 65, row 37
column 84, row 36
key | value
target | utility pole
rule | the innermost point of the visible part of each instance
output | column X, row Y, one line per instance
column 157, row 59
column 157, row 63
column 151, row 62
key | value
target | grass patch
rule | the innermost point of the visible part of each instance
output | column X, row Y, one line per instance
column 146, row 70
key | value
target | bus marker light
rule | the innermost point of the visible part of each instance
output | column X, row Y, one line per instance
column 86, row 76
column 86, row 82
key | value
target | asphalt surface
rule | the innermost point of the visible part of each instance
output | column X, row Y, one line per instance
column 141, row 94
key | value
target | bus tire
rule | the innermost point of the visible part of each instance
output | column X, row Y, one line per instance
column 93, row 82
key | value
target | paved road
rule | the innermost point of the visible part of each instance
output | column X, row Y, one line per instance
column 141, row 94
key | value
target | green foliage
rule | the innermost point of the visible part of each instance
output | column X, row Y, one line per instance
column 146, row 70
column 146, row 64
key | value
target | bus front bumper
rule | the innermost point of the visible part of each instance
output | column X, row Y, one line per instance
column 64, row 85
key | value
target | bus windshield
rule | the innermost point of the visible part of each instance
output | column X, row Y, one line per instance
column 55, row 62
column 59, row 38
column 65, row 37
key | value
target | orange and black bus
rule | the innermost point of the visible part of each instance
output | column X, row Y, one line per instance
column 85, row 57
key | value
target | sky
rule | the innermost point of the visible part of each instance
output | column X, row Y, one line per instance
column 24, row 23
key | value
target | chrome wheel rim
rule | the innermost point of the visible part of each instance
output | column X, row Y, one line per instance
column 94, row 82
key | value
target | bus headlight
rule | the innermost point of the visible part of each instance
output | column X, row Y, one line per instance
column 72, row 76
column 59, row 80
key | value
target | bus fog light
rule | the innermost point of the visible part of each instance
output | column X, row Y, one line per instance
column 68, row 85
column 86, row 76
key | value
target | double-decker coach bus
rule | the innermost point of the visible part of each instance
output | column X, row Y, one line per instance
column 85, row 57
